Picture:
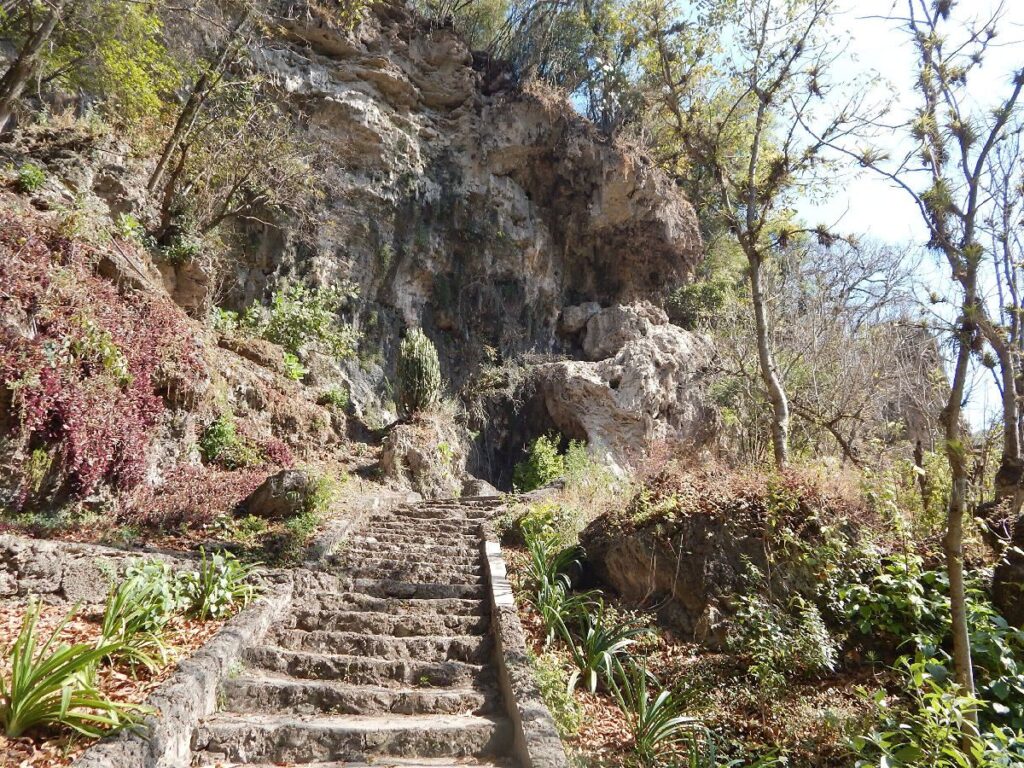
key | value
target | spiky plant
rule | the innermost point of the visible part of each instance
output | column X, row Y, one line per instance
column 662, row 734
column 419, row 373
column 599, row 649
column 48, row 686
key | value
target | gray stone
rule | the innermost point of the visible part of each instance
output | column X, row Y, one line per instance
column 575, row 318
column 285, row 494
column 651, row 388
column 477, row 488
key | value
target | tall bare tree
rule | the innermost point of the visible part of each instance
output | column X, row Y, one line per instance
column 744, row 122
column 945, row 174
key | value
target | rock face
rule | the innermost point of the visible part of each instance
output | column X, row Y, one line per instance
column 643, row 382
column 475, row 215
column 497, row 220
column 687, row 573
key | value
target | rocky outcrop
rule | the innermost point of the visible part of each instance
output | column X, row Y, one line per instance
column 644, row 382
column 428, row 453
column 687, row 573
column 473, row 214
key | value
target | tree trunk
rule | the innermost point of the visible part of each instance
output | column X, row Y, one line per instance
column 201, row 89
column 776, row 393
column 953, row 541
column 16, row 78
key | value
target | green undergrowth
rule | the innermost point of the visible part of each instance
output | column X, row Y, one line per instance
column 836, row 649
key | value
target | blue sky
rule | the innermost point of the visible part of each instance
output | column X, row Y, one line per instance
column 866, row 203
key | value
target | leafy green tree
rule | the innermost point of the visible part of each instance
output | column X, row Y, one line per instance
column 114, row 50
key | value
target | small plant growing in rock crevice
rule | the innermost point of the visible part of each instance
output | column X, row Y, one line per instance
column 221, row 444
column 31, row 178
column 419, row 373
column 336, row 397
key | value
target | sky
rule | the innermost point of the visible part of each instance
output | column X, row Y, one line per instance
column 866, row 203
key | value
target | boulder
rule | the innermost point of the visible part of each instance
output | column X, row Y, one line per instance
column 574, row 318
column 477, row 488
column 427, row 453
column 648, row 386
column 609, row 330
column 687, row 569
column 280, row 496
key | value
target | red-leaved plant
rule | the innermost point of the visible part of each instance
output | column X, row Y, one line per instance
column 82, row 360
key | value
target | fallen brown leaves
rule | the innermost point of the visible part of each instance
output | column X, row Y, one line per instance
column 53, row 750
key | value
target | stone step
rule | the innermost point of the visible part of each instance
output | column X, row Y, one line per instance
column 427, row 573
column 391, row 623
column 282, row 738
column 360, row 670
column 410, row 589
column 396, row 606
column 474, row 649
column 421, row 554
column 252, row 692
column 389, row 522
column 469, row 514
column 411, row 538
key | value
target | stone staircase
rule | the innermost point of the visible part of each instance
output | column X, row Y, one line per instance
column 385, row 657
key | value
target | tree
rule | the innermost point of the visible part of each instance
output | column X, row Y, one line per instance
column 861, row 372
column 113, row 50
column 25, row 64
column 210, row 77
column 945, row 175
column 745, row 122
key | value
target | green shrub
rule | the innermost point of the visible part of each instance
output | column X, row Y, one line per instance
column 221, row 444
column 419, row 373
column 662, row 733
column 31, row 178
column 932, row 731
column 220, row 585
column 46, row 686
column 293, row 367
column 781, row 639
column 137, row 612
column 184, row 247
column 336, row 397
column 552, row 679
column 899, row 600
column 299, row 316
column 695, row 306
column 128, row 227
column 543, row 463
column 224, row 320
column 319, row 495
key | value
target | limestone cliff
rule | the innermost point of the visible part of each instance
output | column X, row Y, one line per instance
column 493, row 216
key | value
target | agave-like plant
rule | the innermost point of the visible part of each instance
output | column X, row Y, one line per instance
column 134, row 621
column 549, row 566
column 47, row 686
column 662, row 734
column 559, row 609
column 600, row 647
